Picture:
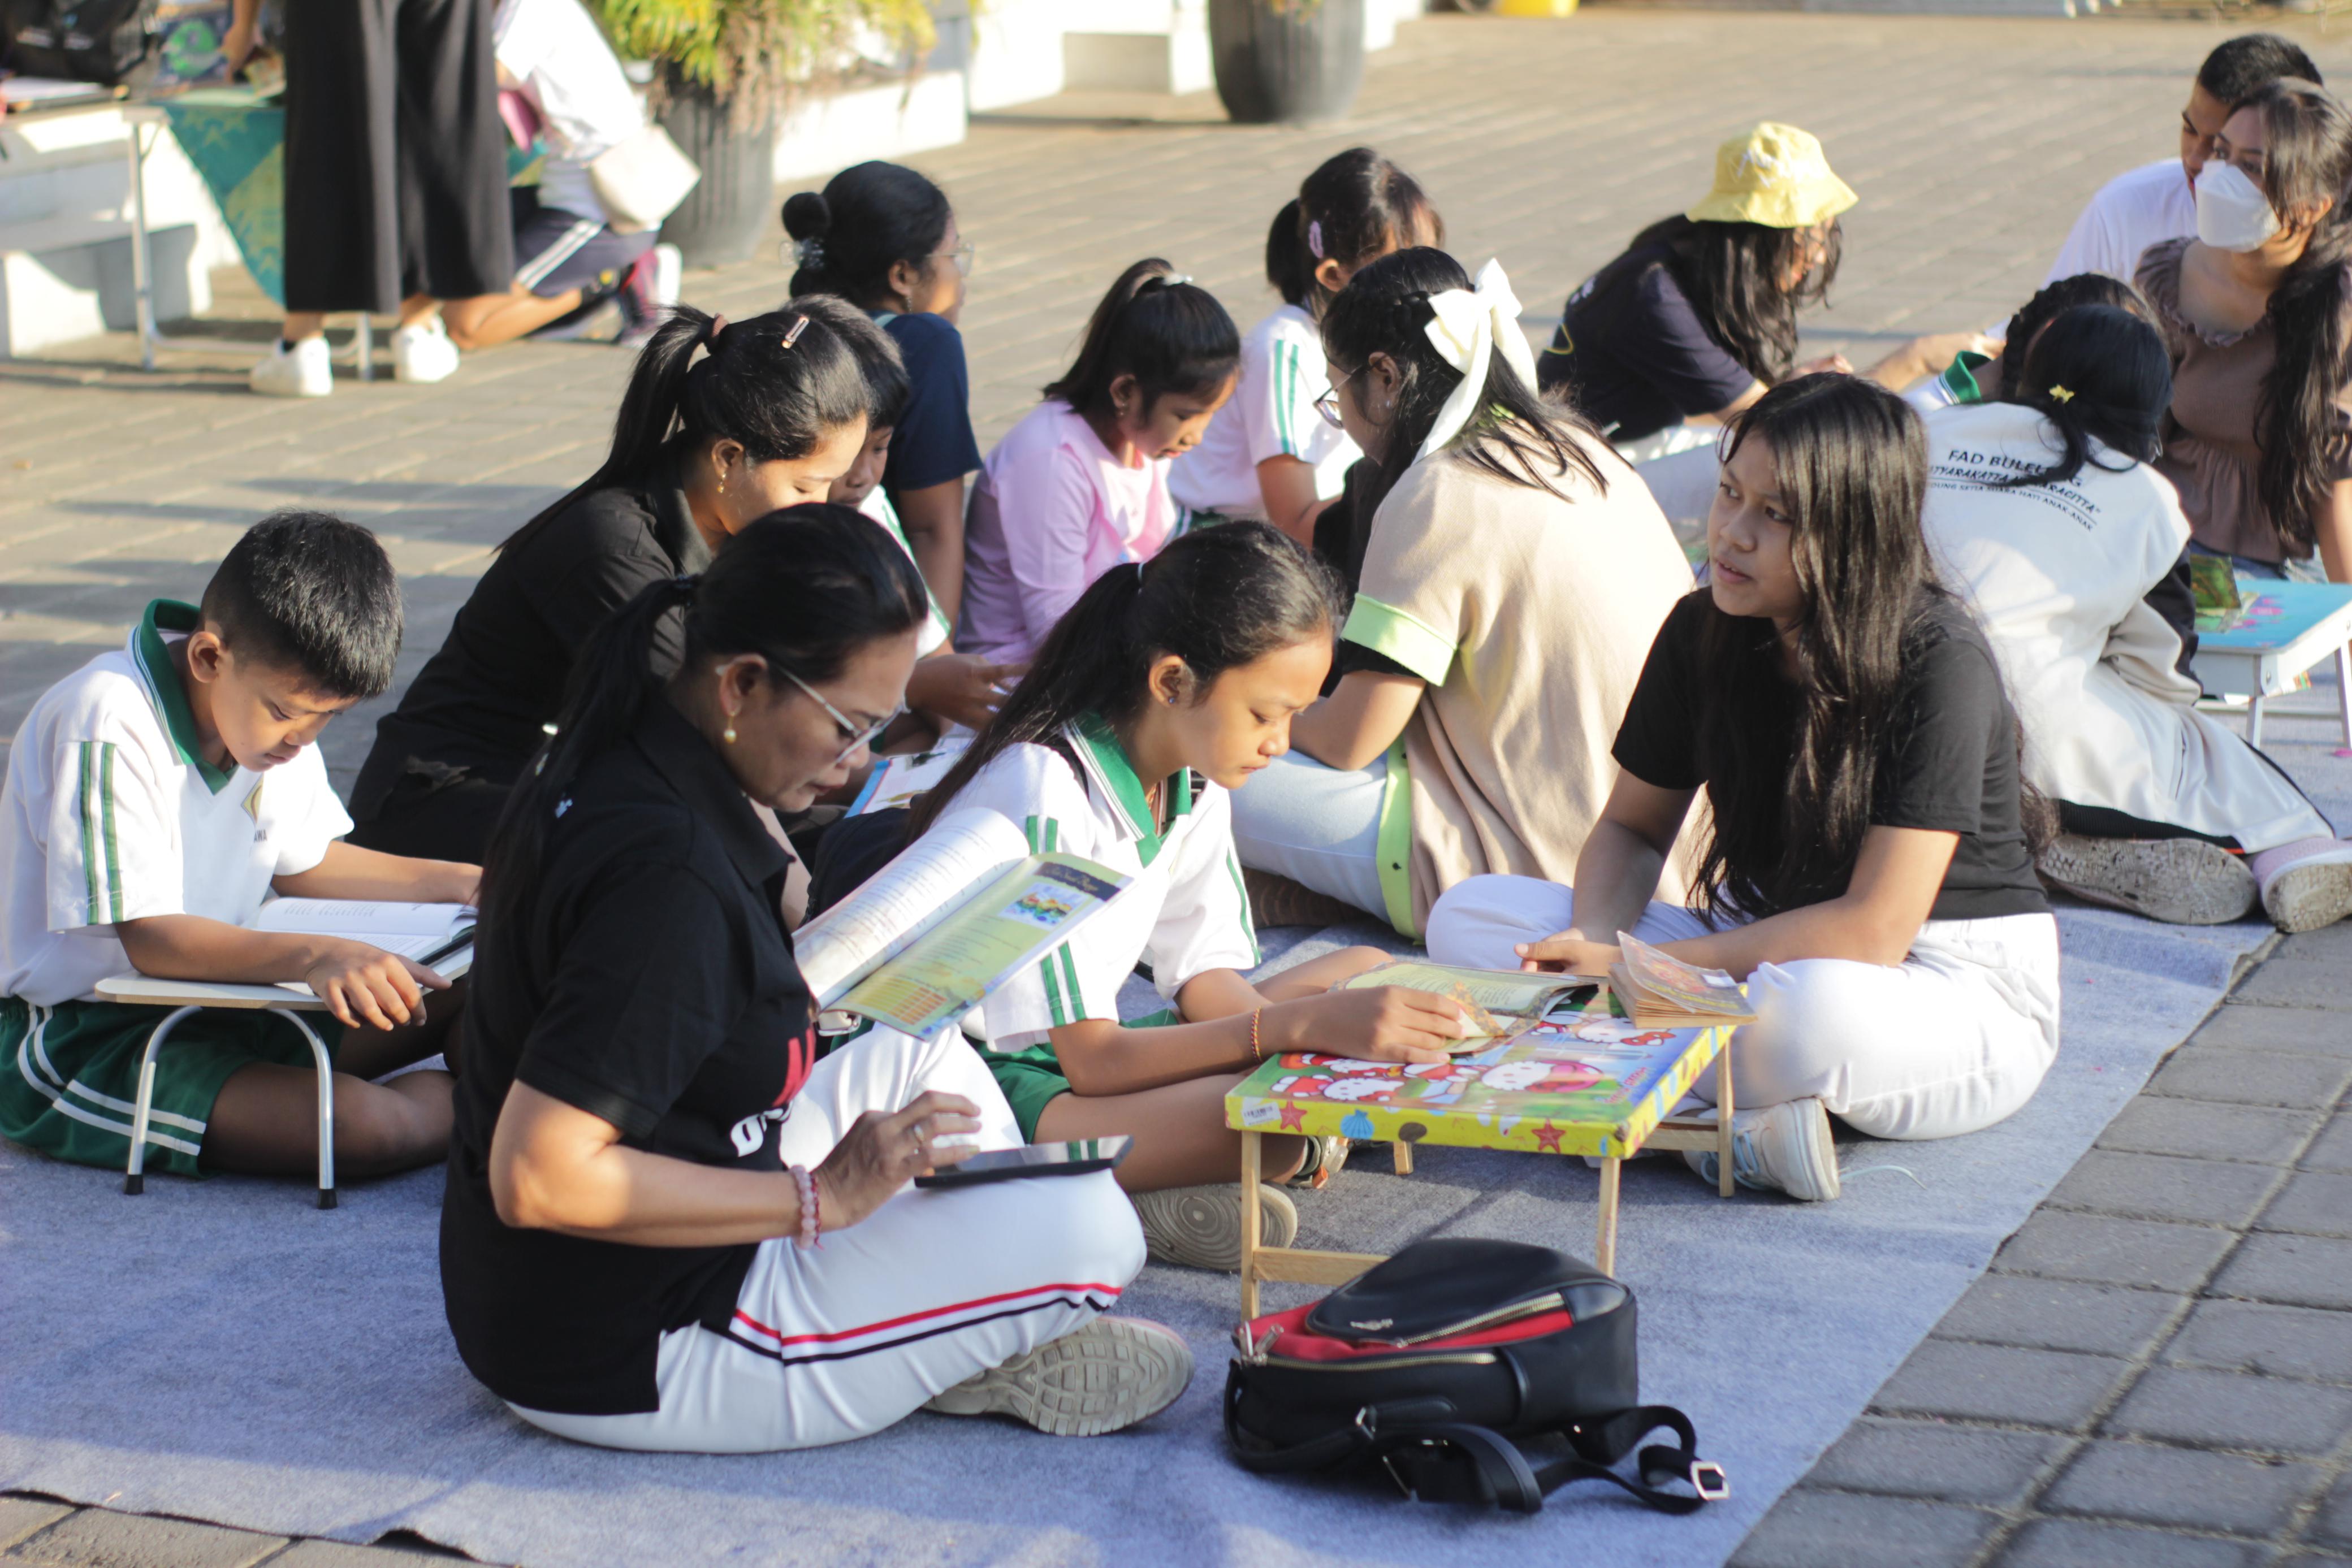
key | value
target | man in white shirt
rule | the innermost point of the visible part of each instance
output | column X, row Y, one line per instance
column 2157, row 201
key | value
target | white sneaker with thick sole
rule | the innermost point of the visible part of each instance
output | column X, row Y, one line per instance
column 669, row 274
column 2181, row 881
column 2307, row 884
column 1783, row 1148
column 1111, row 1372
column 423, row 353
column 303, row 370
column 1200, row 1227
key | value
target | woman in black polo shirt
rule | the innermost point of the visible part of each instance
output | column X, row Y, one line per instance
column 1868, row 869
column 771, row 415
column 647, row 1152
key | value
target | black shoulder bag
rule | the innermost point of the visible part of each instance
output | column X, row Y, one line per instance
column 1436, row 1365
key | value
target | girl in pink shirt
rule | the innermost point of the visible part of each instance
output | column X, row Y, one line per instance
column 1081, row 483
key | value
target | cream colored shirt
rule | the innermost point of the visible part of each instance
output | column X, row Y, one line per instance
column 1529, row 614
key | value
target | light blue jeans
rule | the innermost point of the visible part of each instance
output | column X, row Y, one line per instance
column 1318, row 826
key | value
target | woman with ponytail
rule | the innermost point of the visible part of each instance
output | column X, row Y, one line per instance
column 722, row 424
column 1081, row 483
column 1167, row 686
column 1868, row 869
column 1513, row 571
column 649, row 1153
column 882, row 236
column 2045, row 512
column 1266, row 454
column 2257, row 310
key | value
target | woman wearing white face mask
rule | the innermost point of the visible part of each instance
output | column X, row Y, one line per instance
column 2259, row 438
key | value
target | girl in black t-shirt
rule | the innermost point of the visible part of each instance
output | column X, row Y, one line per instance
column 646, row 1150
column 1865, row 865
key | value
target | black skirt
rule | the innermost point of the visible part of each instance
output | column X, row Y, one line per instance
column 395, row 155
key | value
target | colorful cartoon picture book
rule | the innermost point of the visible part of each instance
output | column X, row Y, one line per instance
column 2270, row 614
column 936, row 930
column 1582, row 1083
column 1498, row 1001
column 897, row 781
column 1660, row 990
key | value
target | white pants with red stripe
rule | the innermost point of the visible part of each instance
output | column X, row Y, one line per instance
column 930, row 1289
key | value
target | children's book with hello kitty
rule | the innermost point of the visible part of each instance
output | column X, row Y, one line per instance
column 1585, row 1083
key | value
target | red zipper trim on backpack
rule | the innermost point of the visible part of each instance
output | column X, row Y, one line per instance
column 1300, row 1344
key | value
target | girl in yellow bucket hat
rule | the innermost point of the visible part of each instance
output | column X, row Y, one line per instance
column 1698, row 316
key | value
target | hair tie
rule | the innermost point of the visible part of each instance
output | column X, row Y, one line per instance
column 1165, row 280
column 2061, row 395
column 793, row 333
column 1468, row 327
column 1315, row 238
column 810, row 252
column 711, row 331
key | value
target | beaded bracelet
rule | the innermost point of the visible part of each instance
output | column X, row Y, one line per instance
column 810, row 1216
column 1257, row 1051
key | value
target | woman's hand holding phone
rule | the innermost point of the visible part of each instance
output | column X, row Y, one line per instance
column 882, row 1152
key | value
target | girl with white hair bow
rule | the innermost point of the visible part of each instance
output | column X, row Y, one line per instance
column 1513, row 572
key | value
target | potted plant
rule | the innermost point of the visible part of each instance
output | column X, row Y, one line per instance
column 724, row 71
column 1286, row 60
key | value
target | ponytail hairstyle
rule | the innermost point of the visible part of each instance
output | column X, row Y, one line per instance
column 1790, row 791
column 868, row 218
column 1157, row 325
column 778, row 383
column 1217, row 599
column 1355, row 207
column 1736, row 275
column 1518, row 435
column 2307, row 159
column 2097, row 375
column 805, row 588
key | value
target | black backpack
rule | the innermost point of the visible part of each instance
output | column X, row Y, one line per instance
column 80, row 40
column 1436, row 1365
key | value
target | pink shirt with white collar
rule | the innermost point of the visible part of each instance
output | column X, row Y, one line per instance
column 1053, row 510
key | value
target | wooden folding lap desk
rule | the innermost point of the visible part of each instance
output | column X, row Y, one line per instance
column 1590, row 1085
column 2266, row 647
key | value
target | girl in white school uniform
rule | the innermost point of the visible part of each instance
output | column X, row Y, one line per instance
column 1168, row 684
column 1267, row 454
column 1081, row 483
column 1868, row 869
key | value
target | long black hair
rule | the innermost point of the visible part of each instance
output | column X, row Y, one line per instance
column 1217, row 599
column 868, row 218
column 1790, row 775
column 1158, row 327
column 1517, row 434
column 804, row 589
column 1354, row 206
column 2099, row 375
column 1735, row 276
column 2055, row 298
column 2307, row 159
column 779, row 383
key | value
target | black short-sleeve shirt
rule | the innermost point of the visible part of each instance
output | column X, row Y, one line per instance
column 1950, row 764
column 932, row 443
column 1632, row 354
column 650, row 982
column 482, row 702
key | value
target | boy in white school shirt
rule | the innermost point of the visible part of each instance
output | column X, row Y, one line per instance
column 155, row 797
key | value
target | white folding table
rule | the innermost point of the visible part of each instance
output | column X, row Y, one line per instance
column 2286, row 628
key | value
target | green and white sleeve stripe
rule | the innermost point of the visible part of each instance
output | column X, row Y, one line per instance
column 1249, row 921
column 1285, row 368
column 101, row 854
column 1064, row 1001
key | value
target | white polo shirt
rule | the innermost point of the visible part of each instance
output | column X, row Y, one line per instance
column 110, row 814
column 586, row 106
column 2136, row 209
column 1185, row 911
column 1271, row 415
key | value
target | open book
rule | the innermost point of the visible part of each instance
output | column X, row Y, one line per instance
column 1659, row 990
column 1514, row 994
column 960, row 911
column 433, row 934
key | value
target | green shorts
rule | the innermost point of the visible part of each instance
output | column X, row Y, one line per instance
column 1030, row 1078
column 70, row 1076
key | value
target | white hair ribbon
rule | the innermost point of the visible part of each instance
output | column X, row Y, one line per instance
column 1464, row 327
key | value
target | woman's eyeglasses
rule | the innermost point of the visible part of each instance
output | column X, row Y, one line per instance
column 858, row 735
column 1327, row 405
column 966, row 257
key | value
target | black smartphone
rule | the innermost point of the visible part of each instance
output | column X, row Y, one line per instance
column 1076, row 1157
column 458, row 942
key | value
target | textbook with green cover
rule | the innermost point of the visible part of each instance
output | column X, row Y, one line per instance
column 932, row 933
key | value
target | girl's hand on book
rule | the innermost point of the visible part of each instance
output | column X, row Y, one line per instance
column 1376, row 1023
column 1570, row 952
column 882, row 1152
column 364, row 985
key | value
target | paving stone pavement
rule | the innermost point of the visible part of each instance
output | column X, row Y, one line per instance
column 2160, row 1367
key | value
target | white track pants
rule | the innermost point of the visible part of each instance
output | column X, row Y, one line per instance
column 1950, row 1040
column 931, row 1288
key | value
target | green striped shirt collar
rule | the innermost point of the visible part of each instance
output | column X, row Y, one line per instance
column 153, row 658
column 1113, row 775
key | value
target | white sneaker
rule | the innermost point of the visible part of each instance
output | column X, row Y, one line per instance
column 1200, row 1227
column 303, row 370
column 2307, row 884
column 669, row 274
column 423, row 353
column 1111, row 1372
column 1781, row 1148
